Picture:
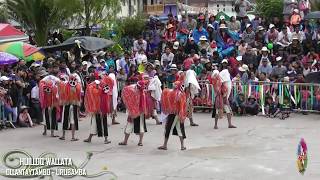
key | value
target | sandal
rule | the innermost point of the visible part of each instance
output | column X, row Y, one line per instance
column 183, row 148
column 62, row 138
column 162, row 148
column 44, row 134
column 54, row 136
column 74, row 139
column 140, row 144
column 232, row 126
column 87, row 141
column 107, row 142
column 194, row 124
column 115, row 123
column 122, row 144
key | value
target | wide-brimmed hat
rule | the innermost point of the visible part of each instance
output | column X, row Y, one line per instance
column 156, row 63
column 260, row 28
column 210, row 26
column 176, row 45
column 22, row 108
column 244, row 68
column 265, row 49
column 170, row 26
column 248, row 25
column 222, row 17
column 271, row 26
column 42, row 73
column 239, row 58
column 296, row 10
column 84, row 63
column 224, row 61
column 101, row 53
column 173, row 67
column 223, row 26
column 286, row 79
column 279, row 58
column 4, row 78
column 203, row 38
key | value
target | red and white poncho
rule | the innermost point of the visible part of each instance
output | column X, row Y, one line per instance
column 48, row 92
column 174, row 101
column 134, row 98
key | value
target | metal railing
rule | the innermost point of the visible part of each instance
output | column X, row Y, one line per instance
column 299, row 96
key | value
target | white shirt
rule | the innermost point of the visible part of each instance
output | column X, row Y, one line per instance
column 35, row 92
column 167, row 58
column 137, row 46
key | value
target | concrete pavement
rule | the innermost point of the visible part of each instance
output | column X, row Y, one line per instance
column 259, row 149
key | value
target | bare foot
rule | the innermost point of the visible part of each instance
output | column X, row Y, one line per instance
column 215, row 127
column 232, row 126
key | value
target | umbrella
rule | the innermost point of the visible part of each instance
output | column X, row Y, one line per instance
column 6, row 58
column 313, row 15
column 90, row 43
column 313, row 77
column 21, row 50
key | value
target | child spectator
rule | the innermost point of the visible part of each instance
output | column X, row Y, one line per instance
column 24, row 117
column 238, row 104
column 252, row 107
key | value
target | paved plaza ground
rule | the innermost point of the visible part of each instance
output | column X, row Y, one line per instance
column 259, row 149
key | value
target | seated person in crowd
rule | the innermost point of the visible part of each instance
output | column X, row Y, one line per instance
column 24, row 117
column 238, row 104
column 252, row 107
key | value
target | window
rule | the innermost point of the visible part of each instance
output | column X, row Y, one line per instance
column 224, row 5
column 152, row 2
column 217, row 5
column 232, row 9
column 224, row 9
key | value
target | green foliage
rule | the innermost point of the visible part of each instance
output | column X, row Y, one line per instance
column 94, row 12
column 3, row 14
column 67, row 33
column 40, row 16
column 269, row 8
column 315, row 5
column 132, row 26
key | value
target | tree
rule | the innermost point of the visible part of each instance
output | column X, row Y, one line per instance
column 269, row 8
column 315, row 5
column 39, row 16
column 3, row 14
column 97, row 11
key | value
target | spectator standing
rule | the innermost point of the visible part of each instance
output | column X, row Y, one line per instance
column 191, row 23
column 241, row 8
column 288, row 7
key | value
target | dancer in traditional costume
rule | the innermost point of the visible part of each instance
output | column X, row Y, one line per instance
column 222, row 90
column 49, row 100
column 134, row 98
column 173, row 104
column 192, row 88
column 98, row 102
column 114, row 96
column 154, row 96
column 70, row 94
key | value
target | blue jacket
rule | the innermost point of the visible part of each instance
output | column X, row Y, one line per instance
column 196, row 34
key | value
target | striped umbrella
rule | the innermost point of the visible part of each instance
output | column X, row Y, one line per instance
column 22, row 50
column 6, row 58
